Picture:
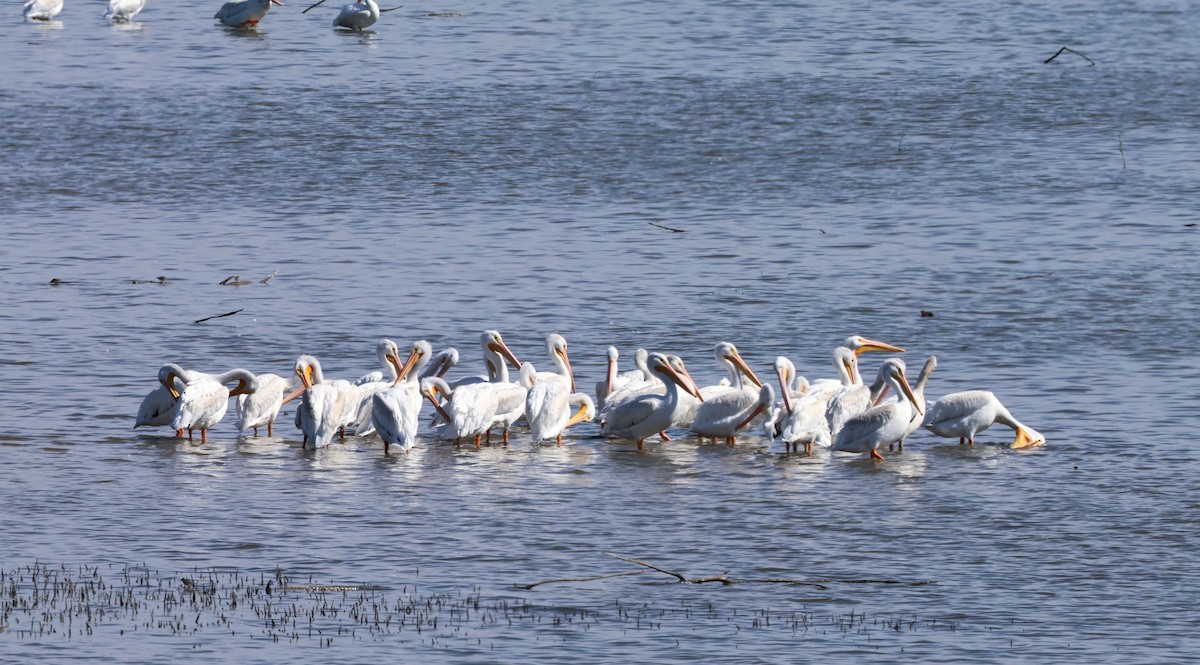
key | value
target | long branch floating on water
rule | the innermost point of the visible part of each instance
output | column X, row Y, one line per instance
column 218, row 316
column 1091, row 63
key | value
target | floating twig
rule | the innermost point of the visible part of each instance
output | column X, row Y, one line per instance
column 218, row 316
column 311, row 6
column 1121, row 147
column 666, row 228
column 527, row 587
column 268, row 278
column 391, row 9
column 59, row 282
column 1091, row 63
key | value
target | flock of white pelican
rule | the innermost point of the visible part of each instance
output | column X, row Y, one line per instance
column 357, row 16
column 841, row 414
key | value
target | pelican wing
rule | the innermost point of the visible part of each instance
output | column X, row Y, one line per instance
column 201, row 405
column 876, row 426
column 962, row 413
column 158, row 408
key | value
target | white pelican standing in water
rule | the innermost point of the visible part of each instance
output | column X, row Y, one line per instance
column 722, row 402
column 884, row 424
column 368, row 384
column 325, row 406
column 260, row 404
column 914, row 423
column 965, row 414
column 396, row 409
column 123, row 11
column 160, row 405
column 468, row 409
column 357, row 16
column 548, row 406
column 801, row 417
column 244, row 13
column 729, row 423
column 650, row 414
column 205, row 399
column 42, row 10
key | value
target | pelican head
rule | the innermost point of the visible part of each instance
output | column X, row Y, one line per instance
column 846, row 362
column 612, row 354
column 167, row 374
column 493, row 345
column 727, row 354
column 1027, row 436
column 441, row 363
column 418, row 356
column 308, row 368
column 528, row 376
column 785, row 370
column 859, row 344
column 670, row 368
column 893, row 371
column 556, row 346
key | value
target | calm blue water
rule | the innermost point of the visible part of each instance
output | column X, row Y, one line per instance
column 836, row 168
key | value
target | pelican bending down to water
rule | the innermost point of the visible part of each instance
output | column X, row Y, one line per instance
column 161, row 404
column 244, row 13
column 205, row 399
column 396, row 409
column 123, row 11
column 965, row 414
column 649, row 414
column 548, row 407
column 357, row 15
column 468, row 409
column 883, row 424
column 326, row 406
column 42, row 10
column 260, row 404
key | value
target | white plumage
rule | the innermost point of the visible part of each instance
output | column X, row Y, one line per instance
column 357, row 15
column 42, row 10
column 244, row 13
column 123, row 11
column 965, row 414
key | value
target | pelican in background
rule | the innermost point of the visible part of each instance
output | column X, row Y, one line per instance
column 965, row 414
column 161, row 404
column 859, row 345
column 883, row 424
column 244, row 13
column 123, row 11
column 357, row 16
column 325, row 406
column 261, row 402
column 727, row 424
column 468, row 409
column 42, row 10
column 205, row 399
column 396, row 409
column 615, row 381
column 649, row 414
column 440, row 364
column 548, row 406
column 368, row 384
column 496, row 355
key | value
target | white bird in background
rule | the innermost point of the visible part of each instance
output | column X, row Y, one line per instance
column 205, row 399
column 160, row 405
column 496, row 356
column 244, row 13
column 123, row 11
column 357, row 16
column 615, row 381
column 884, row 424
column 965, row 414
column 649, row 414
column 727, row 424
column 467, row 409
column 440, row 364
column 42, row 10
column 548, row 406
column 722, row 402
column 396, row 409
column 325, row 406
column 260, row 404
column 801, row 417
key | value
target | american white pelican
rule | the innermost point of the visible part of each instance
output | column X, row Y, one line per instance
column 548, row 406
column 123, row 11
column 914, row 423
column 368, row 384
column 325, row 406
column 442, row 362
column 801, row 418
column 260, row 404
column 357, row 16
column 160, row 405
column 859, row 344
column 852, row 398
column 205, row 399
column 883, row 424
column 556, row 347
column 727, row 424
column 722, row 402
column 496, row 355
column 965, row 414
column 615, row 381
column 42, row 10
column 649, row 414
column 396, row 409
column 244, row 13
column 509, row 396
column 468, row 409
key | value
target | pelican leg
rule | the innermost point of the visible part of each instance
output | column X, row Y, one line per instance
column 807, row 448
column 961, row 440
column 255, row 431
column 663, row 435
column 179, row 433
column 560, row 440
column 876, row 456
column 203, row 435
column 971, row 441
column 385, row 446
column 477, row 438
column 890, row 446
column 487, row 439
column 506, row 436
column 269, row 432
column 640, row 443
column 731, row 440
column 189, row 433
column 899, row 446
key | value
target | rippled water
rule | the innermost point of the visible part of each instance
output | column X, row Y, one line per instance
column 836, row 168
